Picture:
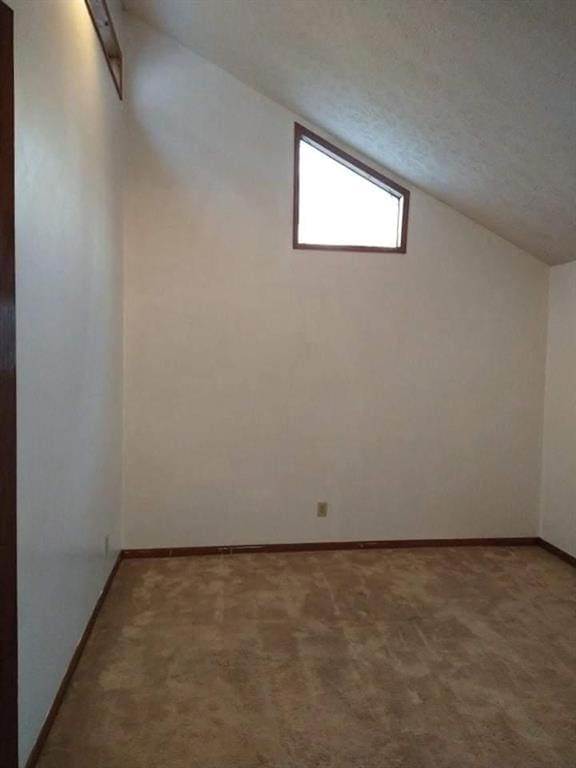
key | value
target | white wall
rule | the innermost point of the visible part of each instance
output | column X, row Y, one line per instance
column 559, row 467
column 406, row 390
column 68, row 240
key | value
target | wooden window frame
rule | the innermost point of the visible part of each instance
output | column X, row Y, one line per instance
column 304, row 134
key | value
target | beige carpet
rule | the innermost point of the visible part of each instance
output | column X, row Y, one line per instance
column 430, row 658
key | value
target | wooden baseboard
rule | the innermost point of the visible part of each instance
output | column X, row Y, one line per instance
column 58, row 699
column 318, row 546
column 557, row 551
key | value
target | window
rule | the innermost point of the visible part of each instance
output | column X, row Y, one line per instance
column 342, row 204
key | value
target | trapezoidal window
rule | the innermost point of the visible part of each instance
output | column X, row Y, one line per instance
column 342, row 204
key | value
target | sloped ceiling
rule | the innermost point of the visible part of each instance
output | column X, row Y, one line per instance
column 473, row 101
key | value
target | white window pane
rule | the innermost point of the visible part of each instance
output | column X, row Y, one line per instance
column 340, row 207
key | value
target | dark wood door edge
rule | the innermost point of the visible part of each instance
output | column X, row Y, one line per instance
column 61, row 693
column 328, row 545
column 8, row 618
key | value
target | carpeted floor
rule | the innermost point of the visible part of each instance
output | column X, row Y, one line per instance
column 429, row 658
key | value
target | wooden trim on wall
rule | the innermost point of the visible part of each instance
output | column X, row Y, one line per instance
column 320, row 546
column 61, row 693
column 8, row 607
column 323, row 546
column 557, row 551
column 300, row 132
column 104, row 26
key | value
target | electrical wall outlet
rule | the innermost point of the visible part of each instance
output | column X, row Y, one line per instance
column 322, row 509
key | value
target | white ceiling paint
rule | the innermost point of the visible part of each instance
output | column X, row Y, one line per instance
column 474, row 101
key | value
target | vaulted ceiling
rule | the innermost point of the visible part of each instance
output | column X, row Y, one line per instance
column 473, row 101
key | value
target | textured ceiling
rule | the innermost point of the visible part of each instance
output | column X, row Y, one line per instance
column 473, row 101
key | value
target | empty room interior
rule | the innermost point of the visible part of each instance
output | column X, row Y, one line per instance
column 287, row 383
